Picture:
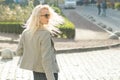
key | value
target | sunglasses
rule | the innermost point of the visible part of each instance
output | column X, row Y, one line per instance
column 46, row 15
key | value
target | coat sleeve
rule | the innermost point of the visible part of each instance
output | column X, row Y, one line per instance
column 47, row 55
column 19, row 51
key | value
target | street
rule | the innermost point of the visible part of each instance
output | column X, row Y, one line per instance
column 85, row 30
column 111, row 20
column 85, row 17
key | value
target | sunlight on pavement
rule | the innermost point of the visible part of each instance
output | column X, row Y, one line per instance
column 88, row 34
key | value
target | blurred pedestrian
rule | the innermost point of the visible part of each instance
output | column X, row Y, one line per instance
column 104, row 7
column 36, row 46
column 99, row 8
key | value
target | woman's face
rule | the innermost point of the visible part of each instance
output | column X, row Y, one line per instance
column 44, row 16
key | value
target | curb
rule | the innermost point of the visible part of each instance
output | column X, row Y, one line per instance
column 88, row 49
column 8, row 41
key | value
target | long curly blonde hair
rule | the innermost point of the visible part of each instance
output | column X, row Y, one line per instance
column 33, row 23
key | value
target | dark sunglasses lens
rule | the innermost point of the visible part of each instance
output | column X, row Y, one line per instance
column 47, row 15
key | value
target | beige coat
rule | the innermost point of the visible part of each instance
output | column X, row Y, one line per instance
column 38, row 53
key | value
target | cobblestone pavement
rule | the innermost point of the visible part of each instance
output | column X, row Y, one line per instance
column 94, row 65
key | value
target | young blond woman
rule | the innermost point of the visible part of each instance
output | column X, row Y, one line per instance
column 36, row 47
